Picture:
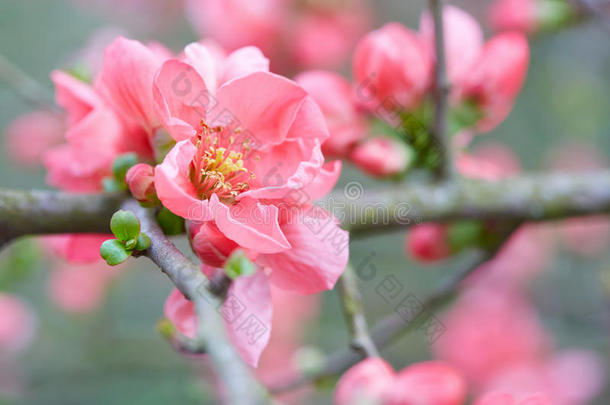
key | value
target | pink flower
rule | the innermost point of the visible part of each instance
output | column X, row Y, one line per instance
column 335, row 97
column 519, row 15
column 428, row 242
column 392, row 65
column 463, row 41
column 140, row 180
column 572, row 377
column 31, row 135
column 17, row 325
column 324, row 37
column 77, row 248
column 497, row 77
column 248, row 160
column 246, row 311
column 490, row 161
column 490, row 328
column 237, row 23
column 79, row 288
column 93, row 136
column 374, row 380
column 381, row 157
column 498, row 398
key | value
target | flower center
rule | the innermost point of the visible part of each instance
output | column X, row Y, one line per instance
column 218, row 167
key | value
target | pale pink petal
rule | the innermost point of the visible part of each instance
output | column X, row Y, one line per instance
column 431, row 382
column 77, row 248
column 181, row 98
column 205, row 62
column 250, row 224
column 29, row 136
column 126, row 80
column 247, row 313
column 174, row 187
column 463, row 41
column 263, row 104
column 242, row 62
column 17, row 325
column 76, row 97
column 318, row 255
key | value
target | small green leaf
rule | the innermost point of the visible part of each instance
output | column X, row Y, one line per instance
column 171, row 223
column 114, row 252
column 143, row 242
column 239, row 265
column 463, row 234
column 125, row 225
column 121, row 165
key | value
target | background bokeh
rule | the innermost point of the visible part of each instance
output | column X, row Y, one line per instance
column 114, row 355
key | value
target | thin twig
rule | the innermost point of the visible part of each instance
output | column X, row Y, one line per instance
column 393, row 326
column 351, row 301
column 440, row 134
column 25, row 86
column 188, row 278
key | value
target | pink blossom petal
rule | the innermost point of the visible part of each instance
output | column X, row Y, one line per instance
column 251, row 224
column 367, row 380
column 318, row 255
column 126, row 80
column 174, row 187
column 180, row 96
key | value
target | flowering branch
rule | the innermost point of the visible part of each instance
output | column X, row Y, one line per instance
column 188, row 278
column 441, row 92
column 393, row 326
column 353, row 310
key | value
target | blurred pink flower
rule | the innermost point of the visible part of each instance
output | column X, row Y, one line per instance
column 29, row 136
column 497, row 76
column 324, row 36
column 381, row 156
column 374, row 380
column 489, row 329
column 76, row 248
column 79, row 288
column 568, row 378
column 392, row 64
column 428, row 242
column 498, row 398
column 336, row 98
column 246, row 312
column 519, row 15
column 296, row 34
column 17, row 325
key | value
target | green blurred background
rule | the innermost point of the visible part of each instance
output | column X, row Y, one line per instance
column 115, row 355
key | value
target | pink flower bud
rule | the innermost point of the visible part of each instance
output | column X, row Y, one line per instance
column 381, row 157
column 428, row 242
column 17, row 324
column 392, row 66
column 140, row 180
column 211, row 246
column 497, row 77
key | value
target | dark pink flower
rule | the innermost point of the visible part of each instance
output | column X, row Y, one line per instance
column 428, row 242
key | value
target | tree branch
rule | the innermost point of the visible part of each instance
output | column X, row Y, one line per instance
column 25, row 86
column 535, row 197
column 353, row 310
column 441, row 93
column 393, row 326
column 188, row 278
